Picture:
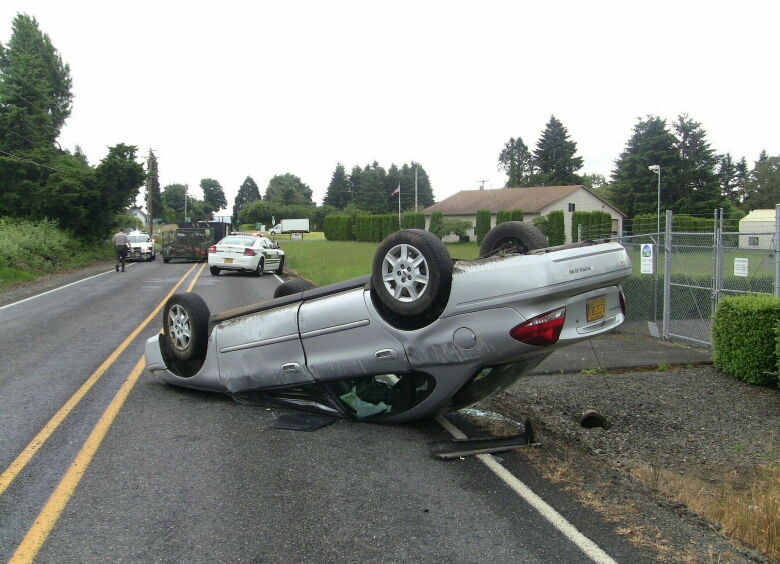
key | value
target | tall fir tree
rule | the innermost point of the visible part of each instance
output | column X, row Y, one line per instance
column 517, row 162
column 763, row 187
column 743, row 176
column 697, row 190
column 728, row 179
column 338, row 194
column 554, row 156
column 372, row 196
column 152, row 196
column 248, row 192
column 634, row 189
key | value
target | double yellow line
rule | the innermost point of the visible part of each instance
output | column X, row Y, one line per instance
column 48, row 516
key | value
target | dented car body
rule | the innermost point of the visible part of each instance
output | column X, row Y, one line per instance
column 373, row 349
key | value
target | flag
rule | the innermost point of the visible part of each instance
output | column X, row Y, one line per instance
column 396, row 191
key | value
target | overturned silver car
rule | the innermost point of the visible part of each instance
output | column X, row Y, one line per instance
column 423, row 334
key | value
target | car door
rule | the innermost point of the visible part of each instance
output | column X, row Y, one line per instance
column 270, row 254
column 341, row 339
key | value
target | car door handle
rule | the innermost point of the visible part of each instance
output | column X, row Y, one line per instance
column 291, row 367
column 386, row 354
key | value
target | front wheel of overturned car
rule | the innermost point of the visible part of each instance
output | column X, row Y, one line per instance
column 512, row 237
column 185, row 326
column 294, row 286
column 214, row 270
column 412, row 273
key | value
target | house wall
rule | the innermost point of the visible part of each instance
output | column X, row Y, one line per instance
column 584, row 201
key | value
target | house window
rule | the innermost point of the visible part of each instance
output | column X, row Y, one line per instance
column 571, row 207
column 753, row 241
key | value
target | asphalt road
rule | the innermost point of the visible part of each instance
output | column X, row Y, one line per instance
column 182, row 476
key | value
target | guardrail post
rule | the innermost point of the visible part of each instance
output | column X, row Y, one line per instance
column 777, row 250
column 667, row 276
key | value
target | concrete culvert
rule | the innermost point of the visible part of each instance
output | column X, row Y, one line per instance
column 591, row 419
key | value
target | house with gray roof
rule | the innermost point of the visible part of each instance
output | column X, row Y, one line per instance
column 535, row 201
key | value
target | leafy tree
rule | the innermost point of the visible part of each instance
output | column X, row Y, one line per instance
column 118, row 178
column 248, row 192
column 763, row 188
column 338, row 194
column 172, row 198
column 517, row 162
column 593, row 181
column 435, row 224
column 35, row 88
column 152, row 196
column 554, row 156
column 288, row 189
column 697, row 190
column 452, row 226
column 213, row 195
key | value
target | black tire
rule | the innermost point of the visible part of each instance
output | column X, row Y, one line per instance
column 294, row 286
column 154, row 256
column 259, row 271
column 280, row 268
column 412, row 273
column 166, row 260
column 214, row 270
column 512, row 237
column 185, row 326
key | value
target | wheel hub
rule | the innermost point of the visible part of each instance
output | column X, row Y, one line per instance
column 179, row 327
column 405, row 273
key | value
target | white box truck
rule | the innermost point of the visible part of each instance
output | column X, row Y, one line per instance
column 291, row 226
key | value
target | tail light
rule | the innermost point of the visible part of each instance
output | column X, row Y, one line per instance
column 622, row 301
column 249, row 252
column 542, row 330
column 213, row 249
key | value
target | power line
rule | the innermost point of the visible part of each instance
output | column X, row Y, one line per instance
column 33, row 162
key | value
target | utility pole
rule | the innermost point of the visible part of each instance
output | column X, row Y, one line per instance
column 186, row 187
column 149, row 201
column 482, row 183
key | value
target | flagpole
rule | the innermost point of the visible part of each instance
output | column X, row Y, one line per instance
column 415, row 187
column 399, row 205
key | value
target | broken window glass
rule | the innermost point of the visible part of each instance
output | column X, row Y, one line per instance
column 382, row 394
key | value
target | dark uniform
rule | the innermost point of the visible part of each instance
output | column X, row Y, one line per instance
column 121, row 242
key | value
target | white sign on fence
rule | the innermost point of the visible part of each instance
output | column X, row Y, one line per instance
column 647, row 259
column 740, row 267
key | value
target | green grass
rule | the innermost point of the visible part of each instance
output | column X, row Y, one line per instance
column 325, row 262
column 700, row 263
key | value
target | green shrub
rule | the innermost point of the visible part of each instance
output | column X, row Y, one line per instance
column 412, row 220
column 744, row 338
column 338, row 227
column 555, row 226
column 483, row 224
column 436, row 218
column 503, row 216
column 777, row 347
column 516, row 215
column 542, row 225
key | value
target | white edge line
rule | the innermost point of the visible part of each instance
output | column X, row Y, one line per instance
column 279, row 279
column 590, row 548
column 60, row 288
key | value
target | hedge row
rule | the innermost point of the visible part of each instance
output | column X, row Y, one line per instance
column 648, row 223
column 556, row 230
column 595, row 225
column 374, row 228
column 412, row 220
column 745, row 338
column 483, row 225
column 503, row 216
column 338, row 227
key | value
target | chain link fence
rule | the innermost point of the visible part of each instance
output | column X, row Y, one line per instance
column 681, row 271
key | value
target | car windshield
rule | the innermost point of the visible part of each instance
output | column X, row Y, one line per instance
column 138, row 238
column 240, row 241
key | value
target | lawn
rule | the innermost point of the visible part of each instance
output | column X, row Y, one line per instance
column 325, row 262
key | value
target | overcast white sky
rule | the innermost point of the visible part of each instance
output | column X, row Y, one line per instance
column 229, row 89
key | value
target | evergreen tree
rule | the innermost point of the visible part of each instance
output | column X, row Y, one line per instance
column 743, row 176
column 288, row 189
column 517, row 162
column 213, row 195
column 371, row 195
column 634, row 189
column 554, row 157
column 728, row 179
column 338, row 194
column 763, row 187
column 152, row 196
column 248, row 192
column 697, row 190
column 118, row 178
column 35, row 88
column 424, row 190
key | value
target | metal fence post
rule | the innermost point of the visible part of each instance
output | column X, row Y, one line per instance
column 777, row 250
column 667, row 275
column 717, row 267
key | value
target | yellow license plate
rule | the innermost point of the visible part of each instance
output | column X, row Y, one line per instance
column 228, row 261
column 596, row 309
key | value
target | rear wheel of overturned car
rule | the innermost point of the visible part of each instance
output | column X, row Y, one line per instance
column 412, row 273
column 280, row 268
column 512, row 237
column 214, row 270
column 185, row 326
column 260, row 267
column 294, row 286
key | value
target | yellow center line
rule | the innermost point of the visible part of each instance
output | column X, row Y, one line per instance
column 47, row 518
column 43, row 435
